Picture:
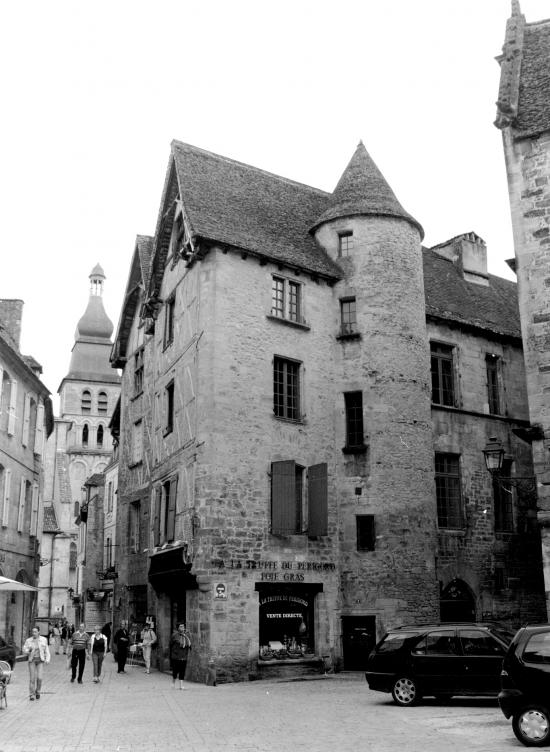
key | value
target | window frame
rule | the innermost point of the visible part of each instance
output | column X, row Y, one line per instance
column 366, row 536
column 348, row 320
column 287, row 299
column 344, row 243
column 287, row 389
column 446, row 393
column 450, row 511
column 86, row 402
column 351, row 420
column 494, row 398
column 169, row 402
column 139, row 358
column 169, row 320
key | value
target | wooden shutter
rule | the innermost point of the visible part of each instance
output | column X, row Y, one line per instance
column 283, row 497
column 12, row 407
column 39, row 430
column 34, row 510
column 21, row 512
column 171, row 521
column 26, row 419
column 317, row 500
column 6, row 497
column 156, row 524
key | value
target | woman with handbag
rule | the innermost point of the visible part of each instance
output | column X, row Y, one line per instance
column 36, row 647
column 148, row 639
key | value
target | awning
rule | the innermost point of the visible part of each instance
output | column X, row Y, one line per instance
column 169, row 572
column 7, row 586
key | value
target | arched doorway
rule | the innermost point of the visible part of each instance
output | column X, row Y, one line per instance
column 457, row 602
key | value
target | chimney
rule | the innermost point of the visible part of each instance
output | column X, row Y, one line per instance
column 11, row 312
column 468, row 253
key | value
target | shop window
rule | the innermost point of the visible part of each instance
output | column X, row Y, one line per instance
column 289, row 502
column 448, row 492
column 286, row 624
column 442, row 371
column 366, row 538
column 164, row 523
column 86, row 401
column 286, row 388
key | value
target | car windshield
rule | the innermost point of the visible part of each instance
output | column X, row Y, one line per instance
column 394, row 641
column 503, row 634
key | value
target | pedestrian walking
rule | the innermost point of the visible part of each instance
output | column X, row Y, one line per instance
column 98, row 648
column 107, row 632
column 65, row 637
column 56, row 637
column 180, row 645
column 148, row 640
column 121, row 641
column 79, row 652
column 50, row 633
column 38, row 652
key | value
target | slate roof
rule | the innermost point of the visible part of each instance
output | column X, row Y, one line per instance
column 242, row 206
column 524, row 92
column 363, row 189
column 449, row 296
column 50, row 521
column 534, row 83
column 144, row 245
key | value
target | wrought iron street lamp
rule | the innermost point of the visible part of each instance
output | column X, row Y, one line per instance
column 494, row 455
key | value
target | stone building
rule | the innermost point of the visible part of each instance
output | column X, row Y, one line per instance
column 523, row 116
column 305, row 398
column 26, row 421
column 80, row 447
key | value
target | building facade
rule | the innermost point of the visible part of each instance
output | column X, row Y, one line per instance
column 26, row 421
column 80, row 447
column 305, row 398
column 523, row 116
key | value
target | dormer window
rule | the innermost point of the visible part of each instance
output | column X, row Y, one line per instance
column 345, row 243
column 286, row 299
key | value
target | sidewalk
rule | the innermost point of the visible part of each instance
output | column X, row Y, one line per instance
column 138, row 711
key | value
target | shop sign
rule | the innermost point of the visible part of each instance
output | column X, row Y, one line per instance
column 276, row 571
column 220, row 592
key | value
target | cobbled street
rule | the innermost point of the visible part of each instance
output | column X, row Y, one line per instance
column 142, row 712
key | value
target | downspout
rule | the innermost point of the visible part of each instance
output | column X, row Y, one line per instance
column 51, row 577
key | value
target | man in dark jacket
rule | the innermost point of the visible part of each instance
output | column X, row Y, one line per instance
column 180, row 645
column 106, row 630
column 122, row 640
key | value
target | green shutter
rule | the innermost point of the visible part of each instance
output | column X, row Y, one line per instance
column 171, row 521
column 317, row 500
column 283, row 498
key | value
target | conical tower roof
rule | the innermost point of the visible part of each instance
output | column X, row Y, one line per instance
column 363, row 189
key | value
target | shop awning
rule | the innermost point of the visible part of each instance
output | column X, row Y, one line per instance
column 169, row 572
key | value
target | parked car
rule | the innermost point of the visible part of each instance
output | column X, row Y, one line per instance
column 441, row 660
column 7, row 652
column 525, row 682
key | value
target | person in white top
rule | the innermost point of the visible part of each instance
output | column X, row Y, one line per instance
column 148, row 639
column 98, row 648
column 36, row 647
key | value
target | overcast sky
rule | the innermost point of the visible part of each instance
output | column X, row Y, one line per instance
column 94, row 92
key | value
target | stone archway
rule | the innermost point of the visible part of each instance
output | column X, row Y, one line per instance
column 457, row 602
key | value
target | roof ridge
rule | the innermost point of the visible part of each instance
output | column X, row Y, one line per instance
column 223, row 158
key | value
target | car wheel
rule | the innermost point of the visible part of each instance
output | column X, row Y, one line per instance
column 531, row 726
column 405, row 691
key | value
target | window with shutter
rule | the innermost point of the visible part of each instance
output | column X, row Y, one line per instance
column 26, row 419
column 317, row 500
column 5, row 475
column 285, row 506
column 21, row 510
column 12, row 407
column 34, row 510
column 171, row 516
column 156, row 525
column 39, row 430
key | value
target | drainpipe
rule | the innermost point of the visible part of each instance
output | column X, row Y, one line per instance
column 51, row 577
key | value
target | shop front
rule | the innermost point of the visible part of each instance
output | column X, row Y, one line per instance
column 287, row 619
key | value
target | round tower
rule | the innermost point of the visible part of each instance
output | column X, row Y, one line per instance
column 383, row 399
